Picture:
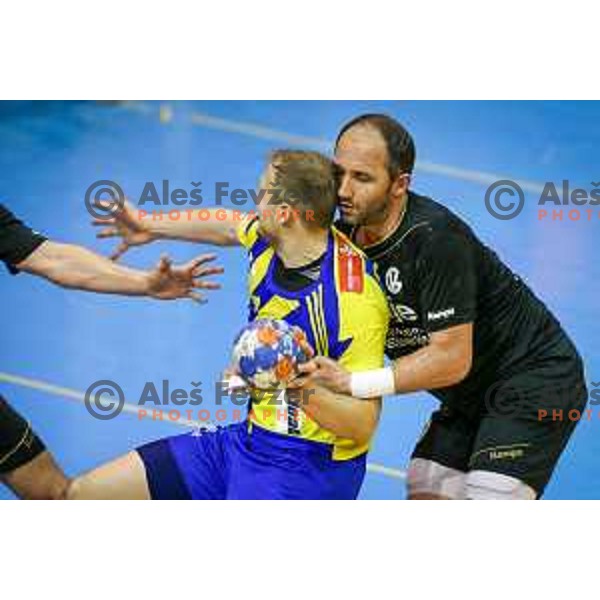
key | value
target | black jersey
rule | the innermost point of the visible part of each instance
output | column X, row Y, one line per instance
column 437, row 274
column 17, row 241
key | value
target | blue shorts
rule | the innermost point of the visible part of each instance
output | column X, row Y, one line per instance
column 234, row 463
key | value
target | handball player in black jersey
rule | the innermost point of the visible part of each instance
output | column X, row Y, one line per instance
column 463, row 327
column 25, row 465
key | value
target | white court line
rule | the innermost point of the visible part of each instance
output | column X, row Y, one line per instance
column 63, row 392
column 276, row 135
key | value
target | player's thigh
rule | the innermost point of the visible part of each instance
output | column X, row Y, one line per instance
column 524, row 446
column 121, row 479
column 440, row 459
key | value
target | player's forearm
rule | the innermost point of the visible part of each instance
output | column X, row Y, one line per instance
column 75, row 267
column 430, row 368
column 343, row 415
column 215, row 226
column 444, row 362
column 427, row 369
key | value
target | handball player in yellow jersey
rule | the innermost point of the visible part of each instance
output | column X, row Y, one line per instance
column 304, row 271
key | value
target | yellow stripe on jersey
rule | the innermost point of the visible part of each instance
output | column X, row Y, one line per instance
column 259, row 269
column 321, row 321
column 278, row 308
column 310, row 303
column 314, row 303
column 247, row 230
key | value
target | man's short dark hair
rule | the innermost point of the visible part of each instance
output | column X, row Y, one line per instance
column 400, row 145
column 308, row 180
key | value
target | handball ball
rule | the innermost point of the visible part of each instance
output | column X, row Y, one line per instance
column 267, row 352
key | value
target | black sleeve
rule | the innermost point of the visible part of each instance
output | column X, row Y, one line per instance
column 447, row 280
column 17, row 241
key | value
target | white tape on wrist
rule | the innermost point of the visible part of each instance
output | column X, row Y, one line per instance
column 371, row 384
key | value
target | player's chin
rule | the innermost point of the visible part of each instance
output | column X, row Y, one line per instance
column 349, row 217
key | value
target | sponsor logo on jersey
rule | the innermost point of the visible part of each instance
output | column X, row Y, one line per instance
column 392, row 280
column 510, row 454
column 403, row 313
column 440, row 314
column 400, row 339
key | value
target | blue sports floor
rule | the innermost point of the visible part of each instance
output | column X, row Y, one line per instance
column 50, row 152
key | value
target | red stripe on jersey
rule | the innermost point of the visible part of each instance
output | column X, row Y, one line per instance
column 350, row 268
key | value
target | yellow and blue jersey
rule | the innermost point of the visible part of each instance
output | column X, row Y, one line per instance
column 344, row 315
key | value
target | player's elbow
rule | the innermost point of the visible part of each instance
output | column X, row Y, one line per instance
column 47, row 260
column 460, row 367
column 453, row 351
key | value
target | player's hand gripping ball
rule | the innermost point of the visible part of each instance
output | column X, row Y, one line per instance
column 267, row 353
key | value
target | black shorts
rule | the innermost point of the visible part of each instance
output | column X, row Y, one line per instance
column 18, row 442
column 520, row 432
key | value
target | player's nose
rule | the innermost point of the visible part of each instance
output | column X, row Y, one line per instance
column 345, row 189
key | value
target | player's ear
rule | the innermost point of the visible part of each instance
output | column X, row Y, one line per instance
column 400, row 184
column 283, row 214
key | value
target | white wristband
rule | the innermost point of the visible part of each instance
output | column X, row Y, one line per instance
column 371, row 384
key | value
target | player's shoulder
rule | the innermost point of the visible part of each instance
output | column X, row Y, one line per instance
column 248, row 223
column 248, row 234
column 429, row 220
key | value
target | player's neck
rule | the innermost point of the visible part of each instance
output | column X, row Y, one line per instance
column 302, row 247
column 375, row 233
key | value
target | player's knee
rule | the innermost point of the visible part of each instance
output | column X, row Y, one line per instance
column 75, row 490
column 82, row 488
column 486, row 485
column 426, row 496
column 429, row 480
column 38, row 479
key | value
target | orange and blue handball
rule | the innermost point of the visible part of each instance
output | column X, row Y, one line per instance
column 267, row 353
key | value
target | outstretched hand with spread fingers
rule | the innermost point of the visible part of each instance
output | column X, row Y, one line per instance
column 126, row 224
column 168, row 282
